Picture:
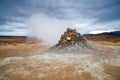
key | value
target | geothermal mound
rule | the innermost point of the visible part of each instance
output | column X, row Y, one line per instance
column 73, row 41
column 70, row 40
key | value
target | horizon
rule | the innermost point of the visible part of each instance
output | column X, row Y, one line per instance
column 92, row 33
column 48, row 19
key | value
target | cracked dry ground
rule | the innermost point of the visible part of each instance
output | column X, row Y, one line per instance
column 101, row 64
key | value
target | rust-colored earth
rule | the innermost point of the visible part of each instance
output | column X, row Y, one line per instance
column 24, row 61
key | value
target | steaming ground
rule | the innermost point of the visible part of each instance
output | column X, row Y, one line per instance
column 98, row 63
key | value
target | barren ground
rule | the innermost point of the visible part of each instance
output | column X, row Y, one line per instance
column 26, row 62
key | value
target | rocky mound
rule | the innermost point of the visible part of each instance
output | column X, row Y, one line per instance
column 70, row 40
column 72, row 37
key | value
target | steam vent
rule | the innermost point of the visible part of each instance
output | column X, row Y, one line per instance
column 72, row 37
column 70, row 40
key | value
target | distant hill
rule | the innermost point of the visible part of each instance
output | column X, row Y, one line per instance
column 106, row 36
column 115, row 32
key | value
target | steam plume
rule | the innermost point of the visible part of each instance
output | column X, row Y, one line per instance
column 46, row 28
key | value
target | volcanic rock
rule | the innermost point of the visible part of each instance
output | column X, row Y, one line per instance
column 71, row 37
column 71, row 40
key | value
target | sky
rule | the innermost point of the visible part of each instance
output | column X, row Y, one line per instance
column 30, row 17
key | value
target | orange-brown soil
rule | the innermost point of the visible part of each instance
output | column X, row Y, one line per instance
column 112, row 70
column 19, row 49
column 105, row 39
column 18, row 46
column 17, row 63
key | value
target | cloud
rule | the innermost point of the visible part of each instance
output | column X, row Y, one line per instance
column 8, row 30
column 13, row 28
column 106, row 10
column 89, row 25
column 13, row 33
column 100, row 31
column 88, row 15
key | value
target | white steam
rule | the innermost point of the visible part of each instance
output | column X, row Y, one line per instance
column 46, row 28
